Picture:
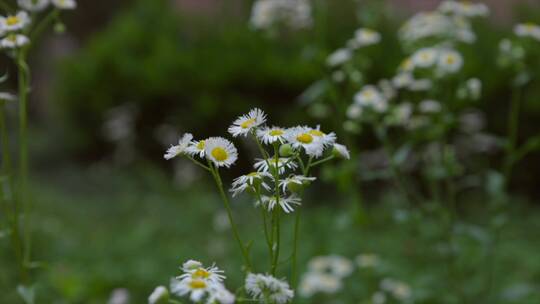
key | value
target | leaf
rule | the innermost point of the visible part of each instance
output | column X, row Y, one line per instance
column 26, row 293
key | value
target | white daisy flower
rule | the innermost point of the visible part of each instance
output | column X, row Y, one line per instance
column 260, row 286
column 303, row 137
column 218, row 294
column 316, row 282
column 271, row 135
column 354, row 111
column 402, row 80
column 196, row 288
column 429, row 106
column 249, row 181
column 294, row 183
column 425, row 58
column 339, row 57
column 367, row 260
column 450, row 61
column 407, row 65
column 159, row 295
column 183, row 143
column 210, row 274
column 196, row 148
column 15, row 22
column 365, row 37
column 33, row 5
column 282, row 163
column 528, row 30
column 12, row 41
column 326, row 139
column 341, row 151
column 378, row 297
column 464, row 8
column 191, row 265
column 286, row 203
column 65, row 4
column 332, row 264
column 220, row 151
column 370, row 96
column 474, row 87
column 245, row 123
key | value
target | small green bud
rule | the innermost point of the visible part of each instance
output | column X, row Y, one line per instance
column 286, row 150
column 295, row 188
column 59, row 28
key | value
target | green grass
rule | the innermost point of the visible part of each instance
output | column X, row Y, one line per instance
column 113, row 228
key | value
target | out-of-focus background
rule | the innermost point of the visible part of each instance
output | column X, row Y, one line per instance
column 128, row 77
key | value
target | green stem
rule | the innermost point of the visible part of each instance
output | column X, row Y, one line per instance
column 322, row 161
column 265, row 224
column 275, row 214
column 294, row 261
column 44, row 24
column 225, row 198
column 513, row 126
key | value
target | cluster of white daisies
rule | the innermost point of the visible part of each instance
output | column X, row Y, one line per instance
column 272, row 172
column 451, row 20
column 516, row 51
column 363, row 37
column 14, row 27
column 295, row 14
column 206, row 285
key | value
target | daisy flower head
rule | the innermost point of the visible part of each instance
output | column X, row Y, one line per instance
column 65, row 4
column 464, row 8
column 210, row 274
column 304, row 137
column 365, row 37
column 425, row 58
column 371, row 96
column 354, row 111
column 407, row 65
column 176, row 150
column 339, row 57
column 450, row 61
column 402, row 80
column 196, row 148
column 282, row 163
column 159, row 295
column 195, row 288
column 271, row 135
column 429, row 106
column 15, row 22
column 220, row 151
column 295, row 183
column 33, row 5
column 218, row 294
column 245, row 123
column 260, row 286
column 316, row 282
column 13, row 41
column 332, row 264
column 341, row 151
column 528, row 29
column 326, row 139
column 286, row 203
column 251, row 181
column 191, row 265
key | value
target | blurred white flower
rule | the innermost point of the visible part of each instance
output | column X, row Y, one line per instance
column 316, row 282
column 286, row 203
column 220, row 151
column 421, row 85
column 528, row 30
column 450, row 61
column 370, row 96
column 354, row 111
column 364, row 37
column 160, row 295
column 12, row 41
column 332, row 264
column 220, row 295
column 295, row 14
column 119, row 296
column 464, row 8
column 339, row 57
column 378, row 298
column 195, row 288
column 429, row 106
column 341, row 151
column 399, row 290
column 245, row 123
column 402, row 80
column 14, row 22
column 425, row 58
column 367, row 260
column 33, row 5
column 65, row 4
column 261, row 287
column 176, row 150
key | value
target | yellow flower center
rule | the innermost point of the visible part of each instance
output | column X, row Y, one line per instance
column 276, row 132
column 197, row 284
column 252, row 174
column 368, row 94
column 317, row 133
column 12, row 20
column 200, row 145
column 12, row 38
column 450, row 60
column 220, row 154
column 305, row 138
column 248, row 123
column 200, row 273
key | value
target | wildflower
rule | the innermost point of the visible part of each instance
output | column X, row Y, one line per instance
column 261, row 287
column 425, row 58
column 219, row 294
column 220, row 151
column 450, row 61
column 354, row 111
column 196, row 288
column 341, row 151
column 159, row 295
column 271, row 135
column 407, row 65
column 12, row 41
column 402, row 80
column 65, row 4
column 295, row 183
column 528, row 30
column 245, row 123
column 333, row 264
column 194, row 270
column 474, row 86
column 315, row 282
column 33, row 5
column 429, row 106
column 378, row 298
column 464, row 8
column 183, row 143
column 191, row 265
column 282, row 163
column 293, row 13
column 251, row 181
column 119, row 296
column 15, row 22
column 365, row 37
column 196, row 148
column 311, row 140
column 370, row 96
column 326, row 139
column 286, row 203
column 398, row 289
column 339, row 57
column 367, row 260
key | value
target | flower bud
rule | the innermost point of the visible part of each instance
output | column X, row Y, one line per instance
column 286, row 150
column 160, row 295
column 59, row 28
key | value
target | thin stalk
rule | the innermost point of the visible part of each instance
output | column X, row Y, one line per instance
column 294, row 260
column 226, row 203
column 513, row 127
column 265, row 224
column 44, row 24
column 275, row 214
column 322, row 161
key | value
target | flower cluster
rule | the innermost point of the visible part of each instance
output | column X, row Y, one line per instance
column 268, row 289
column 199, row 283
column 363, row 37
column 295, row 14
column 325, row 275
column 519, row 53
